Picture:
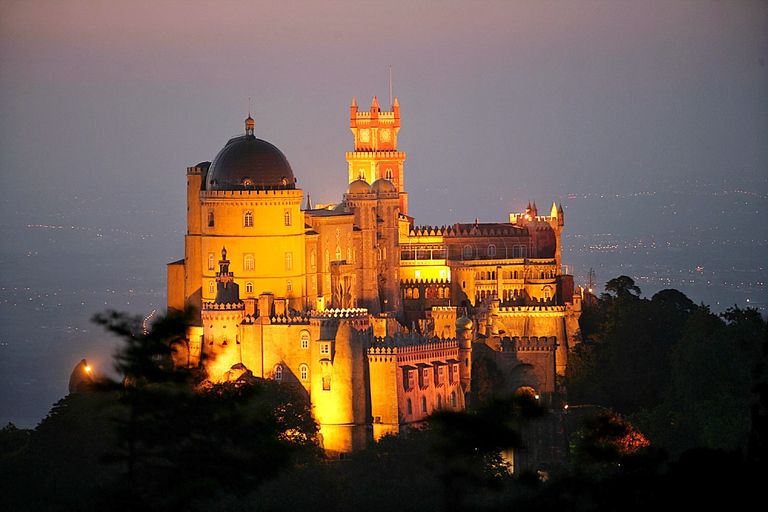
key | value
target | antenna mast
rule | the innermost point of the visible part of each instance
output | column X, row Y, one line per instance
column 390, row 88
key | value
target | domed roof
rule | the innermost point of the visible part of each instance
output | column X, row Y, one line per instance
column 359, row 187
column 463, row 323
column 383, row 186
column 249, row 163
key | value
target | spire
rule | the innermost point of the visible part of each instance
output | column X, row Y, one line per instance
column 375, row 105
column 309, row 202
column 249, row 124
column 553, row 211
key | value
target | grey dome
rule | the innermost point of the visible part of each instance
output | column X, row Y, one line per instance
column 248, row 163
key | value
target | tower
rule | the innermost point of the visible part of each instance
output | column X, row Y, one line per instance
column 376, row 155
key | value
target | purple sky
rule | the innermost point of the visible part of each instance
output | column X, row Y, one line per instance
column 502, row 101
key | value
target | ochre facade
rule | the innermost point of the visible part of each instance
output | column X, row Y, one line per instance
column 376, row 318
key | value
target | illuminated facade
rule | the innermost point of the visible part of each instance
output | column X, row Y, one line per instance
column 377, row 319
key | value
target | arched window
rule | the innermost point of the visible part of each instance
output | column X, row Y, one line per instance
column 287, row 217
column 408, row 407
column 304, row 372
column 210, row 218
column 248, row 219
column 304, row 339
column 248, row 262
column 278, row 372
column 491, row 251
column 338, row 253
column 249, row 287
column 289, row 286
column 211, row 287
column 211, row 261
column 312, row 259
column 388, row 174
column 467, row 251
column 288, row 261
column 423, row 404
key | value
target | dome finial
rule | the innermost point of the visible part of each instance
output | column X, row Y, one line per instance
column 249, row 124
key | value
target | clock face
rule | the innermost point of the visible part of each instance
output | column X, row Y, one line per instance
column 386, row 135
column 365, row 135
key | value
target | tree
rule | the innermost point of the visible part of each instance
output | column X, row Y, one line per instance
column 184, row 440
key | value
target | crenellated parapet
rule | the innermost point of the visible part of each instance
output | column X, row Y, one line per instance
column 357, row 318
column 229, row 306
column 532, row 309
column 529, row 344
column 406, row 343
column 340, row 313
column 291, row 318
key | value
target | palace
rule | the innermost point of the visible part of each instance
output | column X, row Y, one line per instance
column 376, row 318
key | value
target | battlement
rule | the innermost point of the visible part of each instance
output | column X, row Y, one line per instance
column 251, row 193
column 529, row 344
column 230, row 306
column 297, row 318
column 341, row 313
column 384, row 153
column 467, row 230
column 531, row 309
column 412, row 342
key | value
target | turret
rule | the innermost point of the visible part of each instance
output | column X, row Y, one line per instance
column 338, row 387
column 464, row 335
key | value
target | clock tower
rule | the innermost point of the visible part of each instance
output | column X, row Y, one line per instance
column 376, row 155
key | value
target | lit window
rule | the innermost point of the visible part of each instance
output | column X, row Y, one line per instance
column 287, row 217
column 304, row 372
column 289, row 261
column 249, row 287
column 418, row 274
column 249, row 263
column 278, row 372
column 289, row 286
column 338, row 253
column 248, row 219
column 210, row 218
column 305, row 340
column 325, row 349
column 211, row 261
column 443, row 274
column 326, row 382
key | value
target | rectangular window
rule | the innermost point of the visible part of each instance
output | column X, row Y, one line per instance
column 325, row 349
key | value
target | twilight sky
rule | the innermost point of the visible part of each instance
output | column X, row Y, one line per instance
column 647, row 119
column 502, row 101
